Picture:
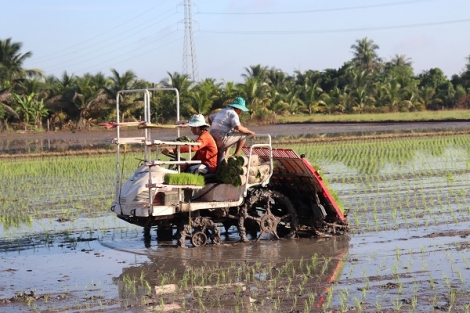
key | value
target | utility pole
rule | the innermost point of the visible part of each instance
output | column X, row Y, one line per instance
column 189, row 49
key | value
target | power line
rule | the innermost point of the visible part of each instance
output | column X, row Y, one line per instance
column 318, row 10
column 104, row 50
column 101, row 34
column 327, row 31
column 112, row 63
column 139, row 55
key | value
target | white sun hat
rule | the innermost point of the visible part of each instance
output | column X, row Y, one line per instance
column 197, row 120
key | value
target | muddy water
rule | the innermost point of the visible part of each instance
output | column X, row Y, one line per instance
column 407, row 252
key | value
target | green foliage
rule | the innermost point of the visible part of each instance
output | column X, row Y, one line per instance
column 184, row 179
column 364, row 84
column 42, row 187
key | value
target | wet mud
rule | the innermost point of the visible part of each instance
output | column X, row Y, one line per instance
column 408, row 251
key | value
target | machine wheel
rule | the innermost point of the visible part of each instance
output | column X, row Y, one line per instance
column 273, row 212
column 269, row 222
column 199, row 239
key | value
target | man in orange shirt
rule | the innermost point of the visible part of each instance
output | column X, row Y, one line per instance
column 206, row 152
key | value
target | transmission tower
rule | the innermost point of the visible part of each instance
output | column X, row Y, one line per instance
column 189, row 49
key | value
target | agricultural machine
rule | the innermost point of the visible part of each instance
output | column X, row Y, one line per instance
column 278, row 193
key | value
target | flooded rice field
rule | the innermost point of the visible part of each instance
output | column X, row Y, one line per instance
column 407, row 201
column 63, row 142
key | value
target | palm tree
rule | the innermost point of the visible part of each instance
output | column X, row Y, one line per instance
column 201, row 102
column 210, row 86
column 205, row 94
column 11, row 63
column 361, row 99
column 330, row 104
column 276, row 103
column 276, row 77
column 12, row 72
column 426, row 95
column 59, row 101
column 361, row 78
column 400, row 60
column 393, row 92
column 89, row 95
column 365, row 55
column 342, row 99
column 256, row 72
column 117, row 82
column 312, row 96
column 182, row 82
column 291, row 100
column 255, row 93
column 165, row 106
column 228, row 91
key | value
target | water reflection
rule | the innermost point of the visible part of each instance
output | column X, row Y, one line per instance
column 51, row 142
column 33, row 146
column 232, row 276
column 369, row 157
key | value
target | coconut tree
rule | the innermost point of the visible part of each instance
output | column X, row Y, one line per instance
column 311, row 96
column 89, row 96
column 393, row 94
column 114, row 84
column 257, row 72
column 365, row 54
column 400, row 60
column 200, row 103
column 292, row 101
column 119, row 82
column 426, row 96
column 203, row 96
column 59, row 101
column 361, row 99
column 228, row 91
column 303, row 78
column 255, row 93
column 182, row 82
column 275, row 103
column 11, row 63
column 277, row 78
column 166, row 103
column 342, row 99
column 12, row 73
column 330, row 104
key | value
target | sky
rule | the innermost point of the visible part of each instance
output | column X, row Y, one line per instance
column 229, row 36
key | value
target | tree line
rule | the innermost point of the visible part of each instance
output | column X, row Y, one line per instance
column 365, row 84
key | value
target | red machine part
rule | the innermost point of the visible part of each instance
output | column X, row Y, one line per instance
column 292, row 163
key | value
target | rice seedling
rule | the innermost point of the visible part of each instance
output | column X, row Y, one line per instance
column 358, row 304
column 394, row 190
column 397, row 303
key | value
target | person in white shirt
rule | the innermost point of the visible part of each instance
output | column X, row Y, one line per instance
column 227, row 129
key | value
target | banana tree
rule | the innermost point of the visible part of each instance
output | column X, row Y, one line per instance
column 25, row 108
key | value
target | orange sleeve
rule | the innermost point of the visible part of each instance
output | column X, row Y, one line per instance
column 193, row 148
